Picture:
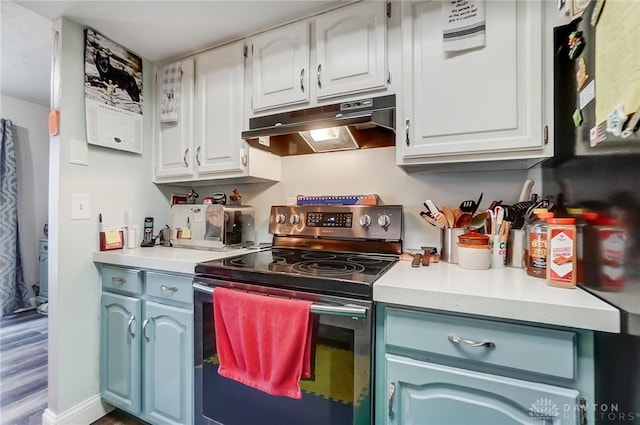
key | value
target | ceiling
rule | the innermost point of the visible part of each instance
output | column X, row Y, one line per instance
column 155, row 30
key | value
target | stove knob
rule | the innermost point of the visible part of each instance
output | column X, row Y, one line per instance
column 294, row 219
column 365, row 221
column 281, row 218
column 384, row 221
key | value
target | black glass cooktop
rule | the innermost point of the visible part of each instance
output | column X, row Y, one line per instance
column 331, row 272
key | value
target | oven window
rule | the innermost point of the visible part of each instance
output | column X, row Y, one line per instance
column 337, row 392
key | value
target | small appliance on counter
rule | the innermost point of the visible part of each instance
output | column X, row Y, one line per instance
column 212, row 226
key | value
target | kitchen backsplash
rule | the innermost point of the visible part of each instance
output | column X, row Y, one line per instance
column 374, row 171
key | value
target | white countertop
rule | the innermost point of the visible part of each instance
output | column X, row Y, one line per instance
column 504, row 293
column 178, row 260
column 507, row 293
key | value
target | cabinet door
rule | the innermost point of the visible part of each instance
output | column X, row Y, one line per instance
column 120, row 363
column 280, row 66
column 474, row 101
column 420, row 393
column 174, row 154
column 219, row 94
column 351, row 49
column 168, row 364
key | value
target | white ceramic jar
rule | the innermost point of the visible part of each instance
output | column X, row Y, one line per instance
column 473, row 251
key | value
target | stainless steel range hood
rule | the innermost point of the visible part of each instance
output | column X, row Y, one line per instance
column 359, row 124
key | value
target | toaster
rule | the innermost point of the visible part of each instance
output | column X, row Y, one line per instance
column 212, row 226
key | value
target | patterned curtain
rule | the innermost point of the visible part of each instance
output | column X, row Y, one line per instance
column 13, row 291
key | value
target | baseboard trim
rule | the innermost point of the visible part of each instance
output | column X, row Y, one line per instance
column 86, row 412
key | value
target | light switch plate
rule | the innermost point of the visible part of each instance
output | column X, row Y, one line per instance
column 80, row 206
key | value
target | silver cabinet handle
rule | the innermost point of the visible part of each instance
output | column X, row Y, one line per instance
column 407, row 124
column 391, row 391
column 118, row 280
column 318, row 74
column 457, row 340
column 129, row 326
column 184, row 158
column 198, row 156
column 302, row 80
column 169, row 288
column 144, row 328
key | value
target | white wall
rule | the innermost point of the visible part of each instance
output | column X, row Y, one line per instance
column 115, row 181
column 374, row 171
column 31, row 139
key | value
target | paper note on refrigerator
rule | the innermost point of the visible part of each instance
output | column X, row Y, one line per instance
column 618, row 58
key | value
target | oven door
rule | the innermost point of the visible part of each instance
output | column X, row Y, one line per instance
column 339, row 392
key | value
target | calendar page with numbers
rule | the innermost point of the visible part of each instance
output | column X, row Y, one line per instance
column 113, row 94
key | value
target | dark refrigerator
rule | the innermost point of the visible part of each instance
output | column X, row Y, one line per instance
column 600, row 171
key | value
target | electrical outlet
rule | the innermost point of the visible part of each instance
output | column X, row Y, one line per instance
column 80, row 206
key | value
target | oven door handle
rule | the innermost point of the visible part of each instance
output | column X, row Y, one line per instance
column 348, row 310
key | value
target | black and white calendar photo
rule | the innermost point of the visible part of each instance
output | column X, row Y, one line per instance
column 113, row 94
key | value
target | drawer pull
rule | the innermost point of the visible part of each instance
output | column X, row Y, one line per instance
column 470, row 343
column 169, row 288
column 118, row 280
column 392, row 391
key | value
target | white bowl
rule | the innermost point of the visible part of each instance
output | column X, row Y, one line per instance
column 475, row 257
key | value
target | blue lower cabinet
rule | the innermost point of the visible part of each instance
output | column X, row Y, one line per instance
column 146, row 364
column 422, row 393
column 168, row 364
column 121, row 361
column 435, row 368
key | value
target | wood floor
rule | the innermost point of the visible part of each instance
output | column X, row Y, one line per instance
column 23, row 372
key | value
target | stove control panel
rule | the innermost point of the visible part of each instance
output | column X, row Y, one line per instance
column 376, row 222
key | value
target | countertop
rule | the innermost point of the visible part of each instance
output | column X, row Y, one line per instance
column 503, row 293
column 177, row 260
column 507, row 293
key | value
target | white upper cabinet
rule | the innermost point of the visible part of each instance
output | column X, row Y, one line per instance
column 348, row 55
column 281, row 66
column 483, row 101
column 219, row 96
column 351, row 46
column 206, row 144
column 174, row 153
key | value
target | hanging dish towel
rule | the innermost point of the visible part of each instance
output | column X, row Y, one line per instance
column 263, row 342
column 170, row 92
column 464, row 25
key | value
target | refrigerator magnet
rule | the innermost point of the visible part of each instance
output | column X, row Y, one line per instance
column 632, row 125
column 616, row 120
column 577, row 118
column 576, row 44
column 597, row 135
column 581, row 76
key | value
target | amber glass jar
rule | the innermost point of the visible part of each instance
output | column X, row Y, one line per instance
column 537, row 245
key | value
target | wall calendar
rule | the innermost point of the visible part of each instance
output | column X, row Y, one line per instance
column 113, row 94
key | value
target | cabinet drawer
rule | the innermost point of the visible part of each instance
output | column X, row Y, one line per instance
column 120, row 279
column 538, row 350
column 170, row 287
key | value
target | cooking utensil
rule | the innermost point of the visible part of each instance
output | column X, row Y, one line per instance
column 526, row 190
column 437, row 214
column 477, row 203
column 428, row 252
column 429, row 219
column 478, row 220
column 463, row 221
column 448, row 213
column 470, row 206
